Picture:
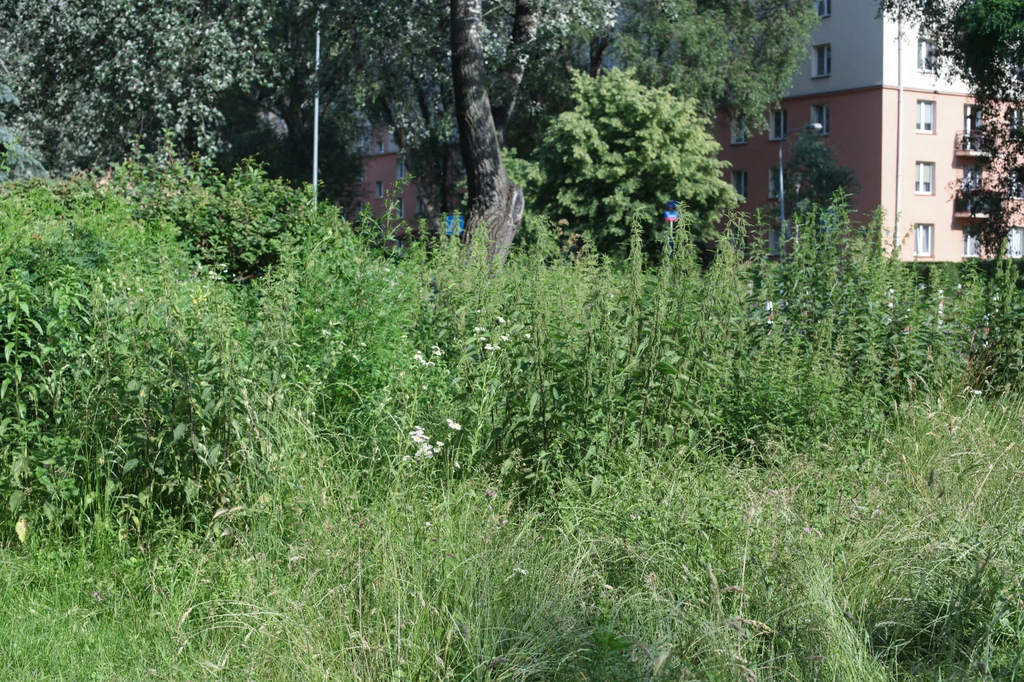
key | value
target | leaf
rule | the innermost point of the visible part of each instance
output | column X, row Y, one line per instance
column 22, row 528
column 8, row 349
column 129, row 465
column 14, row 501
column 533, row 402
column 179, row 431
column 4, row 386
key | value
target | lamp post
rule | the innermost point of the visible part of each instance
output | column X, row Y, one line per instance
column 816, row 127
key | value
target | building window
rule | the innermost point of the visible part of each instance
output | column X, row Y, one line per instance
column 822, row 60
column 380, row 146
column 779, row 123
column 824, row 8
column 972, row 178
column 358, row 206
column 380, row 189
column 774, row 238
column 820, row 114
column 400, row 172
column 925, row 56
column 739, row 182
column 738, row 133
column 972, row 245
column 1015, row 243
column 421, row 207
column 925, row 116
column 400, row 208
column 923, row 240
column 773, row 183
column 925, row 182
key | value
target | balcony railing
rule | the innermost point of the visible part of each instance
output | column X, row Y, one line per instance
column 975, row 203
column 971, row 143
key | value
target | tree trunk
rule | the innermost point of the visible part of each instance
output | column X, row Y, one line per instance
column 495, row 203
column 524, row 30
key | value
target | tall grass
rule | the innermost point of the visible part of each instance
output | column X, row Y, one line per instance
column 368, row 464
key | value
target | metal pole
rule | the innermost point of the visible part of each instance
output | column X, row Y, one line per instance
column 782, row 191
column 899, row 130
column 316, row 111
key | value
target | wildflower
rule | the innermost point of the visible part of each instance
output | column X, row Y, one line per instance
column 457, row 465
column 501, row 320
column 491, row 347
column 528, row 337
column 479, row 330
column 418, row 357
column 504, row 338
column 439, row 444
column 437, row 351
column 490, row 493
column 454, row 425
column 520, row 571
column 97, row 596
column 482, row 338
column 975, row 391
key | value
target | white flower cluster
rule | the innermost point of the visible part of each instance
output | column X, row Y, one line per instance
column 424, row 449
column 418, row 357
column 454, row 425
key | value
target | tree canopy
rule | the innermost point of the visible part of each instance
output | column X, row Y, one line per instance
column 626, row 148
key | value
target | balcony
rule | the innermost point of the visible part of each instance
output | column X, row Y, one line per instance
column 971, row 143
column 975, row 203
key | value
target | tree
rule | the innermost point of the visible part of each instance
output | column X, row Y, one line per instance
column 982, row 43
column 626, row 148
column 95, row 75
column 15, row 160
column 495, row 202
column 813, row 175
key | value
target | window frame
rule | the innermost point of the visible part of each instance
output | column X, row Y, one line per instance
column 400, row 170
column 738, row 131
column 400, row 207
column 779, row 116
column 826, row 124
column 971, row 238
column 918, row 182
column 740, row 177
column 827, row 6
column 773, row 182
column 931, row 106
column 1017, row 252
column 929, row 230
column 824, row 49
column 925, row 58
column 380, row 146
column 379, row 190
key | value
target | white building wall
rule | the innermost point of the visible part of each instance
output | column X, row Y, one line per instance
column 913, row 77
column 856, row 34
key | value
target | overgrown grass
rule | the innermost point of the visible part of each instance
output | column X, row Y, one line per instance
column 369, row 465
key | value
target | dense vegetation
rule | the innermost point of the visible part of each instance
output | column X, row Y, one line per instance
column 238, row 440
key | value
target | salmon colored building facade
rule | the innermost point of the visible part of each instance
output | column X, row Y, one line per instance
column 911, row 136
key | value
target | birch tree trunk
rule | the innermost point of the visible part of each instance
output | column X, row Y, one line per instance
column 495, row 203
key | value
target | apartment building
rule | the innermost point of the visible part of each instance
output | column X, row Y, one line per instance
column 912, row 136
column 383, row 169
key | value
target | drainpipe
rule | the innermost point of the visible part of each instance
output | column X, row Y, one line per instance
column 899, row 129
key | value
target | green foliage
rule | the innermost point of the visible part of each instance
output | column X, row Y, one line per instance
column 624, row 150
column 15, row 161
column 95, row 76
column 237, row 223
column 737, row 56
column 565, row 467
